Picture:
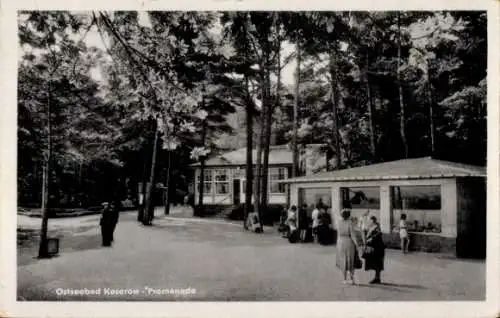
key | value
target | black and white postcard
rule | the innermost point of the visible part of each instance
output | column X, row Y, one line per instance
column 266, row 158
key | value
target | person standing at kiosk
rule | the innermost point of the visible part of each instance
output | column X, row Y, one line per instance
column 303, row 222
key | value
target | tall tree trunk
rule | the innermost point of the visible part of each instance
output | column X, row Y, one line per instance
column 43, row 248
column 371, row 111
column 277, row 102
column 249, row 170
column 258, row 166
column 201, row 188
column 167, row 183
column 141, row 213
column 431, row 115
column 270, row 104
column 249, row 164
column 295, row 150
column 402, row 117
column 334, row 101
column 149, row 206
column 266, row 150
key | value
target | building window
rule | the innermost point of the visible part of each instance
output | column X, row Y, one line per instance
column 315, row 196
column 207, row 185
column 207, row 188
column 221, row 181
column 277, row 174
column 361, row 198
column 422, row 206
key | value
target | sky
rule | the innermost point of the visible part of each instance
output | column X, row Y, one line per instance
column 93, row 38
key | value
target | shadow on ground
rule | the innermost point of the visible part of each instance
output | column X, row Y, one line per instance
column 27, row 250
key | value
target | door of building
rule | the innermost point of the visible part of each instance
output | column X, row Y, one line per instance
column 236, row 191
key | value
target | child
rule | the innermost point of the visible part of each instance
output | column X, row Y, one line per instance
column 403, row 234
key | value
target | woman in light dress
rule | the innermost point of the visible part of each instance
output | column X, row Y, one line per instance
column 346, row 247
column 291, row 219
column 315, row 221
column 403, row 234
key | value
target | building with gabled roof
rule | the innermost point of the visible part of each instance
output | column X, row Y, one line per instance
column 225, row 174
column 445, row 202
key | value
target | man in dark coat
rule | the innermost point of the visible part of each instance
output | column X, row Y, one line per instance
column 109, row 218
column 325, row 233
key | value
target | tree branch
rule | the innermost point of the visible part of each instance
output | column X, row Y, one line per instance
column 126, row 48
column 150, row 62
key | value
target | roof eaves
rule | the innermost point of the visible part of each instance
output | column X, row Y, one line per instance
column 374, row 178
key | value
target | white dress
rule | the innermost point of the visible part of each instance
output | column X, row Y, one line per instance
column 291, row 220
column 346, row 249
column 403, row 232
column 315, row 218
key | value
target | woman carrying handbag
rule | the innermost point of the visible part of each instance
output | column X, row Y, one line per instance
column 374, row 250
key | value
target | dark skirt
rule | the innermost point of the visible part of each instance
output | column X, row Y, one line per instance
column 375, row 260
column 325, row 235
column 303, row 224
column 294, row 236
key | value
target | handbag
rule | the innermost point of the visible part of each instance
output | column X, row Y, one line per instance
column 368, row 251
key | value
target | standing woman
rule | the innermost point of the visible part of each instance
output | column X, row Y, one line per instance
column 346, row 246
column 106, row 222
column 293, row 234
column 291, row 219
column 374, row 250
column 303, row 222
column 403, row 234
column 315, row 221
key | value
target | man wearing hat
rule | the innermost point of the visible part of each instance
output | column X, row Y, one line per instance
column 107, row 224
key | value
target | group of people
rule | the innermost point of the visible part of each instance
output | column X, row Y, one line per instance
column 351, row 248
column 354, row 241
column 300, row 227
column 357, row 240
